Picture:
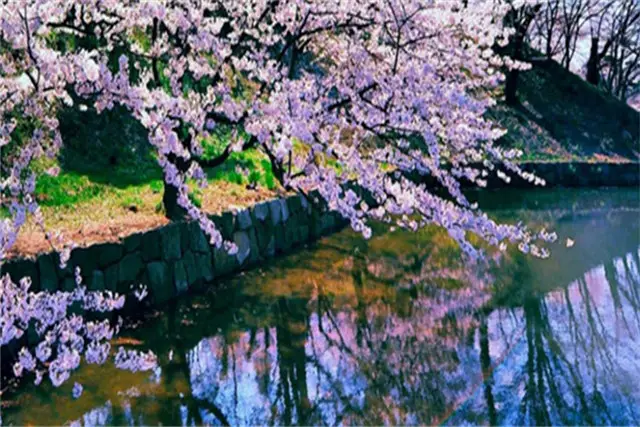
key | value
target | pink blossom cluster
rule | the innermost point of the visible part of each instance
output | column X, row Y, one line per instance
column 63, row 337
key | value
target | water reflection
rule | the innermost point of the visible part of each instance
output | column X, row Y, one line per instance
column 396, row 330
column 572, row 355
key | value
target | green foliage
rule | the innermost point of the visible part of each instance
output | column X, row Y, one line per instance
column 156, row 186
column 141, row 38
column 250, row 166
column 131, row 201
column 66, row 189
column 246, row 167
column 87, row 175
column 97, row 141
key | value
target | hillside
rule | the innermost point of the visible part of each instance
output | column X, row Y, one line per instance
column 562, row 117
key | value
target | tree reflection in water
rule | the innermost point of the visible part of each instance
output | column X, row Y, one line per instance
column 354, row 349
column 397, row 330
column 575, row 361
column 568, row 356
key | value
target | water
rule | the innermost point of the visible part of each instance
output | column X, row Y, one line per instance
column 394, row 330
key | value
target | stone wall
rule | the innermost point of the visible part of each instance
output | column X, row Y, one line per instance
column 172, row 259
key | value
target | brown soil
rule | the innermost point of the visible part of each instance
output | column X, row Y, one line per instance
column 98, row 222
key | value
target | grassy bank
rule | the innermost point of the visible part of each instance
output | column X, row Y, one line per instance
column 563, row 118
column 102, row 197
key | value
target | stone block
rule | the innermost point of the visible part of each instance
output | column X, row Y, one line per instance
column 111, row 278
column 291, row 236
column 254, row 254
column 193, row 273
column 278, row 233
column 328, row 222
column 106, row 254
column 261, row 211
column 292, row 230
column 223, row 262
column 242, row 240
column 160, row 282
column 47, row 273
column 170, row 238
column 198, row 241
column 315, row 225
column 97, row 282
column 306, row 206
column 243, row 219
column 85, row 258
column 68, row 284
column 226, row 223
column 276, row 211
column 303, row 234
column 184, row 235
column 294, row 203
column 270, row 249
column 180, row 280
column 132, row 243
column 284, row 211
column 130, row 267
column 205, row 267
column 151, row 245
column 266, row 239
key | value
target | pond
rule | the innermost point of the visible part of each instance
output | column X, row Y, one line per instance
column 398, row 329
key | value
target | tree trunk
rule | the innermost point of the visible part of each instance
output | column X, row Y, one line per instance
column 516, row 47
column 593, row 68
column 511, row 83
column 511, row 87
column 172, row 209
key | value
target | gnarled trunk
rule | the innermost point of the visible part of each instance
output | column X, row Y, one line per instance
column 511, row 87
column 593, row 64
column 511, row 83
column 172, row 209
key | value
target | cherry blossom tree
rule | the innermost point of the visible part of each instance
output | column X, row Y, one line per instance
column 380, row 88
column 350, row 100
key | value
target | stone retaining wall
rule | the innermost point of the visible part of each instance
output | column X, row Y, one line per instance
column 172, row 259
column 176, row 257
